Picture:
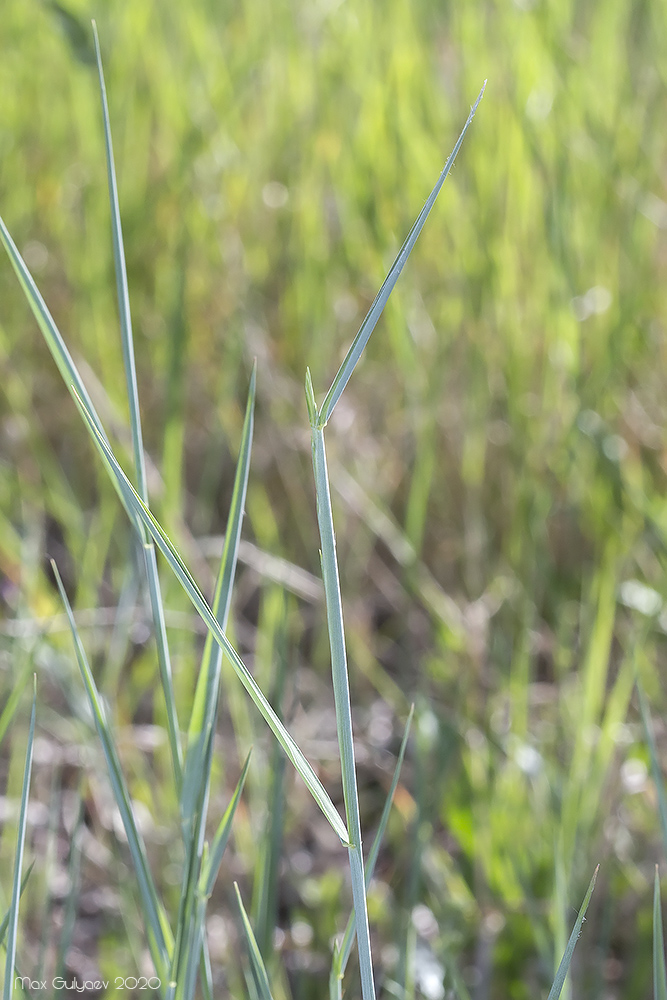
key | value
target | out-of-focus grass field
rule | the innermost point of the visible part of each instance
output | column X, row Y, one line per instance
column 499, row 461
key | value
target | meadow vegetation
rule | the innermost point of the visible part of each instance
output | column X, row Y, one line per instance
column 497, row 470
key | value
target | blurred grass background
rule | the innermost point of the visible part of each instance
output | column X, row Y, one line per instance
column 498, row 460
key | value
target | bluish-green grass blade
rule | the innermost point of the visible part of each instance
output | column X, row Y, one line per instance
column 12, row 703
column 46, row 323
column 342, row 953
column 71, row 907
column 159, row 934
column 199, row 756
column 5, row 920
column 127, row 339
column 341, row 686
column 205, row 705
column 659, row 972
column 198, row 886
column 219, row 842
column 655, row 765
column 358, row 345
column 13, row 916
column 53, row 338
column 127, row 342
column 256, row 960
column 335, row 975
column 265, row 875
column 564, row 966
column 198, row 600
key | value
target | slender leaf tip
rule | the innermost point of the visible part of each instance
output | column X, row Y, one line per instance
column 310, row 400
column 370, row 321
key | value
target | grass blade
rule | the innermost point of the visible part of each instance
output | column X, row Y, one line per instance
column 197, row 891
column 205, row 705
column 342, row 953
column 265, row 876
column 564, row 966
column 12, row 702
column 341, row 688
column 5, row 920
column 659, row 973
column 186, row 580
column 256, row 961
column 159, row 933
column 122, row 287
column 358, row 345
column 199, row 755
column 72, row 902
column 46, row 323
column 13, row 916
column 127, row 342
column 53, row 338
column 221, row 837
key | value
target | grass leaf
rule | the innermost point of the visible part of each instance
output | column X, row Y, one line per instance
column 205, row 705
column 342, row 952
column 341, row 686
column 157, row 927
column 659, row 973
column 5, row 920
column 53, row 338
column 127, row 342
column 564, row 966
column 366, row 329
column 256, row 960
column 13, row 915
column 221, row 836
column 186, row 580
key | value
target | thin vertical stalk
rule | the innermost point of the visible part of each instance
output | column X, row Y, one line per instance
column 127, row 342
column 343, row 709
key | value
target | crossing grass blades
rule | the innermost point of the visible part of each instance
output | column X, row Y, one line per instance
column 177, row 942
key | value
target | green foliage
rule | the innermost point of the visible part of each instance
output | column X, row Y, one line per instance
column 496, row 466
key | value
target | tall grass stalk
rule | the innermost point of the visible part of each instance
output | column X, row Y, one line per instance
column 659, row 973
column 13, row 916
column 330, row 575
column 127, row 341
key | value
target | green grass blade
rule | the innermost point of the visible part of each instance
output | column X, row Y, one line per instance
column 341, row 688
column 53, row 338
column 122, row 288
column 335, row 975
column 157, row 927
column 71, row 907
column 564, row 966
column 342, row 953
column 199, row 756
column 45, row 321
column 356, row 350
column 13, row 916
column 256, row 960
column 127, row 342
column 659, row 972
column 265, row 875
column 655, row 765
column 5, row 920
column 186, row 580
column 12, row 703
column 205, row 705
column 219, row 842
column 197, row 891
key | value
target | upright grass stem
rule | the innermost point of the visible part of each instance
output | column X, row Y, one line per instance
column 127, row 342
column 318, row 420
column 343, row 709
